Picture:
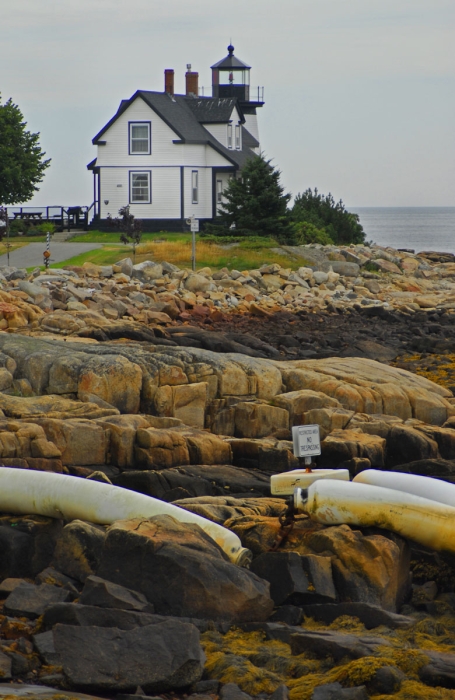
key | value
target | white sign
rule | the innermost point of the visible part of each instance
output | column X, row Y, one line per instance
column 307, row 440
column 195, row 225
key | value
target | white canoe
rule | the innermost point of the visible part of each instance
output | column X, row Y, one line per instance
column 285, row 483
column 23, row 491
column 419, row 519
column 424, row 486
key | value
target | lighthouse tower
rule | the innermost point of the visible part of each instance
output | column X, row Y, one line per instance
column 231, row 78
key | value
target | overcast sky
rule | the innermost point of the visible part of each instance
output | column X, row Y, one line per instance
column 359, row 94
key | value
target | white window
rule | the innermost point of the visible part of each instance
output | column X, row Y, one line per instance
column 229, row 135
column 237, row 136
column 194, row 186
column 140, row 187
column 140, row 138
column 219, row 191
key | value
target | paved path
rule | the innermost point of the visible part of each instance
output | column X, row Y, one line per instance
column 32, row 254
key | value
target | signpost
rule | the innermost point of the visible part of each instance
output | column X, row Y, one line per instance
column 194, row 228
column 306, row 442
column 47, row 252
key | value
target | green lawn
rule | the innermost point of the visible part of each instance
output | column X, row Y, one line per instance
column 243, row 254
column 103, row 237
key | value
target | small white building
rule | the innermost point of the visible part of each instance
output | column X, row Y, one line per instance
column 170, row 156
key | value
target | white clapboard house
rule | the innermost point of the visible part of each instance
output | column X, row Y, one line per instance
column 170, row 156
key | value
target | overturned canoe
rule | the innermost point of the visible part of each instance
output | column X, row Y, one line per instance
column 424, row 486
column 285, row 483
column 419, row 519
column 69, row 498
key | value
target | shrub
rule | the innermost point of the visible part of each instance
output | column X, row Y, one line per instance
column 324, row 213
column 45, row 227
column 305, row 233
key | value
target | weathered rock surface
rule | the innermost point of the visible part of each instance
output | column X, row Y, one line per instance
column 158, row 657
column 181, row 571
column 185, row 387
column 372, row 569
column 28, row 600
column 370, row 615
column 186, row 482
column 296, row 579
column 335, row 644
column 440, row 671
column 105, row 594
column 79, row 549
column 335, row 691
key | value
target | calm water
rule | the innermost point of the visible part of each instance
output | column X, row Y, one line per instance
column 421, row 228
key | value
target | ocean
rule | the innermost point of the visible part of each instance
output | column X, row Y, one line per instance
column 418, row 228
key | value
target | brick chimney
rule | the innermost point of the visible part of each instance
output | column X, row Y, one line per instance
column 169, row 81
column 192, row 82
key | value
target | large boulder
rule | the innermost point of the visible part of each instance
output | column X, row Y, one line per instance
column 257, row 420
column 343, row 445
column 369, row 569
column 78, row 549
column 266, row 454
column 28, row 600
column 187, row 402
column 51, row 406
column 366, row 568
column 123, row 430
column 181, row 570
column 160, row 449
column 405, row 444
column 302, row 401
column 159, row 658
column 105, row 594
column 218, row 509
column 296, row 579
column 114, row 379
column 206, row 448
column 195, row 481
column 81, row 442
column 27, row 544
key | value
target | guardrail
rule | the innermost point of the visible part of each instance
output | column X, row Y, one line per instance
column 62, row 217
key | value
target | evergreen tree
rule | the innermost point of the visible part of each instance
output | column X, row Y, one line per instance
column 255, row 203
column 324, row 213
column 22, row 163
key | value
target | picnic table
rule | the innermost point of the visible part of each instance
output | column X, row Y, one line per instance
column 28, row 215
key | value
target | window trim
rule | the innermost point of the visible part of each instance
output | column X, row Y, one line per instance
column 229, row 136
column 238, row 138
column 140, row 123
column 195, row 178
column 130, row 177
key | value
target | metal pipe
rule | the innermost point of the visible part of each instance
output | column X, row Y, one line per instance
column 69, row 498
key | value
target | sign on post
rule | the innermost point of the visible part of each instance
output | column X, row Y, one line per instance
column 194, row 228
column 307, row 440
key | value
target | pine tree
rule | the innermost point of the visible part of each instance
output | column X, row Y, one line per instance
column 255, row 203
column 22, row 163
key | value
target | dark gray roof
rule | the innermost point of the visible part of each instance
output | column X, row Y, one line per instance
column 211, row 110
column 178, row 113
column 248, row 139
column 230, row 61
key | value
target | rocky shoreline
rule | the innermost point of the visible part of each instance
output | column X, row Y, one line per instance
column 185, row 387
